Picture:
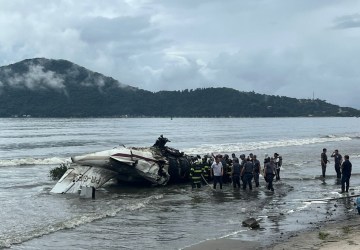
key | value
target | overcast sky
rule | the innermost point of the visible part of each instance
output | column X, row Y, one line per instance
column 293, row 48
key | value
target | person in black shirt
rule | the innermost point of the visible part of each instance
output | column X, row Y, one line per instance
column 236, row 173
column 278, row 163
column 247, row 173
column 338, row 161
column 257, row 169
column 324, row 161
column 346, row 168
column 269, row 172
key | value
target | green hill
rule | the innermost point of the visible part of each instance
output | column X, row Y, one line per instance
column 58, row 88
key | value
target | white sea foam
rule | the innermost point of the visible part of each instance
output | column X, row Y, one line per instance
column 34, row 161
column 75, row 222
column 304, row 206
column 221, row 237
column 201, row 149
column 250, row 146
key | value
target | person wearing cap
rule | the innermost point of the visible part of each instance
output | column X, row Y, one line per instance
column 196, row 171
column 324, row 161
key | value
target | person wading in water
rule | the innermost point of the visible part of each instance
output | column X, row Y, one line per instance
column 324, row 161
column 338, row 161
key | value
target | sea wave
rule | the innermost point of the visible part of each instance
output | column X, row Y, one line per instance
column 75, row 222
column 34, row 161
column 250, row 146
column 201, row 149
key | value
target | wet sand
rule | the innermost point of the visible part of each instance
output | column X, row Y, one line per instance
column 342, row 234
column 225, row 244
column 336, row 235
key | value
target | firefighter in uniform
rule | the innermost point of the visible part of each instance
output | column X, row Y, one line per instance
column 195, row 172
column 206, row 167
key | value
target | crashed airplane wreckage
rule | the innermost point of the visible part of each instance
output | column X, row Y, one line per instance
column 156, row 165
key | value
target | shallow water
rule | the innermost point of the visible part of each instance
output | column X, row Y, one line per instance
column 123, row 217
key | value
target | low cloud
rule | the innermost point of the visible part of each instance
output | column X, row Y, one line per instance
column 36, row 77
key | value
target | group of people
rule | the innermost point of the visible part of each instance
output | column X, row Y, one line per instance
column 343, row 168
column 221, row 169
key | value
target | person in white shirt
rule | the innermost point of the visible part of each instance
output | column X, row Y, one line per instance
column 217, row 171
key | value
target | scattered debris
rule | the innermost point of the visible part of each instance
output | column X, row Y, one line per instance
column 251, row 222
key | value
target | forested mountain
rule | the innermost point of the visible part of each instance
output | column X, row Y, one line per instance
column 58, row 88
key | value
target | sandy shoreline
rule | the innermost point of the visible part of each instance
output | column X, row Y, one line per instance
column 333, row 235
column 344, row 234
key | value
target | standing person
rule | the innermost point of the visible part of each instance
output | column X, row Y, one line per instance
column 269, row 170
column 234, row 157
column 206, row 167
column 223, row 160
column 235, row 172
column 324, row 161
column 242, row 164
column 251, row 155
column 217, row 172
column 278, row 163
column 247, row 173
column 257, row 169
column 338, row 161
column 195, row 172
column 346, row 168
column 227, row 170
column 266, row 159
column 210, row 161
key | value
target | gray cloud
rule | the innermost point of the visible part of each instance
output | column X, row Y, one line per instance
column 290, row 48
column 347, row 21
column 119, row 29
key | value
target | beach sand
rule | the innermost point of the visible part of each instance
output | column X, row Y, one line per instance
column 225, row 244
column 335, row 235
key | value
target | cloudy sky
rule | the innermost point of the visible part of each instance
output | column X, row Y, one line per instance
column 296, row 48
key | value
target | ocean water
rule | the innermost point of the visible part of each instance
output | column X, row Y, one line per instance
column 172, row 217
